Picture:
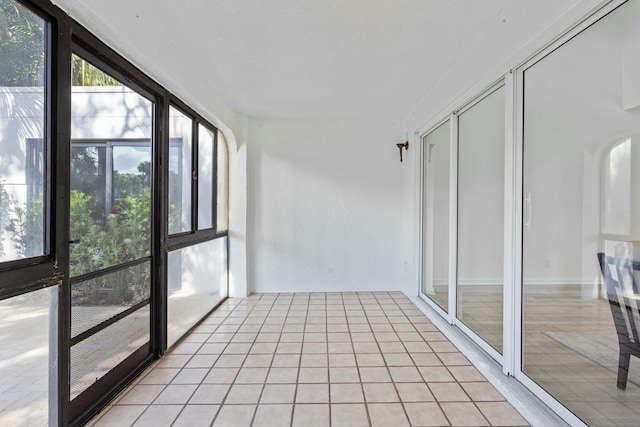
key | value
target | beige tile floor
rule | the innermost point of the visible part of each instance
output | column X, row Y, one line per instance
column 313, row 360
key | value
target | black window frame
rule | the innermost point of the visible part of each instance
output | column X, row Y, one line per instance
column 23, row 275
column 63, row 38
column 195, row 235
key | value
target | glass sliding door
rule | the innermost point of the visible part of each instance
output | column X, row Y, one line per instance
column 581, row 198
column 110, row 232
column 435, row 226
column 481, row 217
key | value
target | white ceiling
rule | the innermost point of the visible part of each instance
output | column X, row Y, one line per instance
column 312, row 58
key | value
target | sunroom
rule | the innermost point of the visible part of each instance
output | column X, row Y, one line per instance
column 321, row 213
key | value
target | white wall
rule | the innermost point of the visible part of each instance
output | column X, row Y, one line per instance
column 325, row 206
column 238, row 286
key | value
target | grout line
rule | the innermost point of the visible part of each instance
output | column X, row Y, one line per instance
column 269, row 309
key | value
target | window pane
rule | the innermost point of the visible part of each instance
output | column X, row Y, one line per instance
column 197, row 281
column 28, row 326
column 205, row 177
column 88, row 175
column 222, row 206
column 23, row 169
column 95, row 356
column 481, row 217
column 110, row 198
column 98, row 299
column 581, row 197
column 180, row 170
column 436, row 215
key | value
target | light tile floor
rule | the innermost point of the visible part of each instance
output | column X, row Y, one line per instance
column 313, row 360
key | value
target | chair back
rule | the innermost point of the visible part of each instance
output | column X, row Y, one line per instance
column 622, row 292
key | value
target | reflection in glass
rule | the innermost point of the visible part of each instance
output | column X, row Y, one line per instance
column 435, row 227
column 197, row 282
column 110, row 206
column 95, row 356
column 110, row 215
column 480, row 217
column 180, row 170
column 581, row 192
column 23, row 168
column 616, row 190
column 88, row 177
column 205, row 177
column 28, row 337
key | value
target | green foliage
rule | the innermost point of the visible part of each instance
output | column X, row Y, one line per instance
column 84, row 255
column 21, row 46
column 126, row 237
column 5, row 209
column 97, row 244
column 26, row 224
column 23, row 223
column 85, row 74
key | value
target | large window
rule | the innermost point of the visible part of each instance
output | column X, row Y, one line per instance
column 23, row 154
column 581, row 197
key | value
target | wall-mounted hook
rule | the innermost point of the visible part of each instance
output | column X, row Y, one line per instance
column 400, row 146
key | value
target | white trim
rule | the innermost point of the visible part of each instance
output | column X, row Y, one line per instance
column 453, row 218
column 418, row 139
column 508, row 301
column 517, row 225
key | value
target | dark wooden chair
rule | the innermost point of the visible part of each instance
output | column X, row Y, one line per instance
column 622, row 292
